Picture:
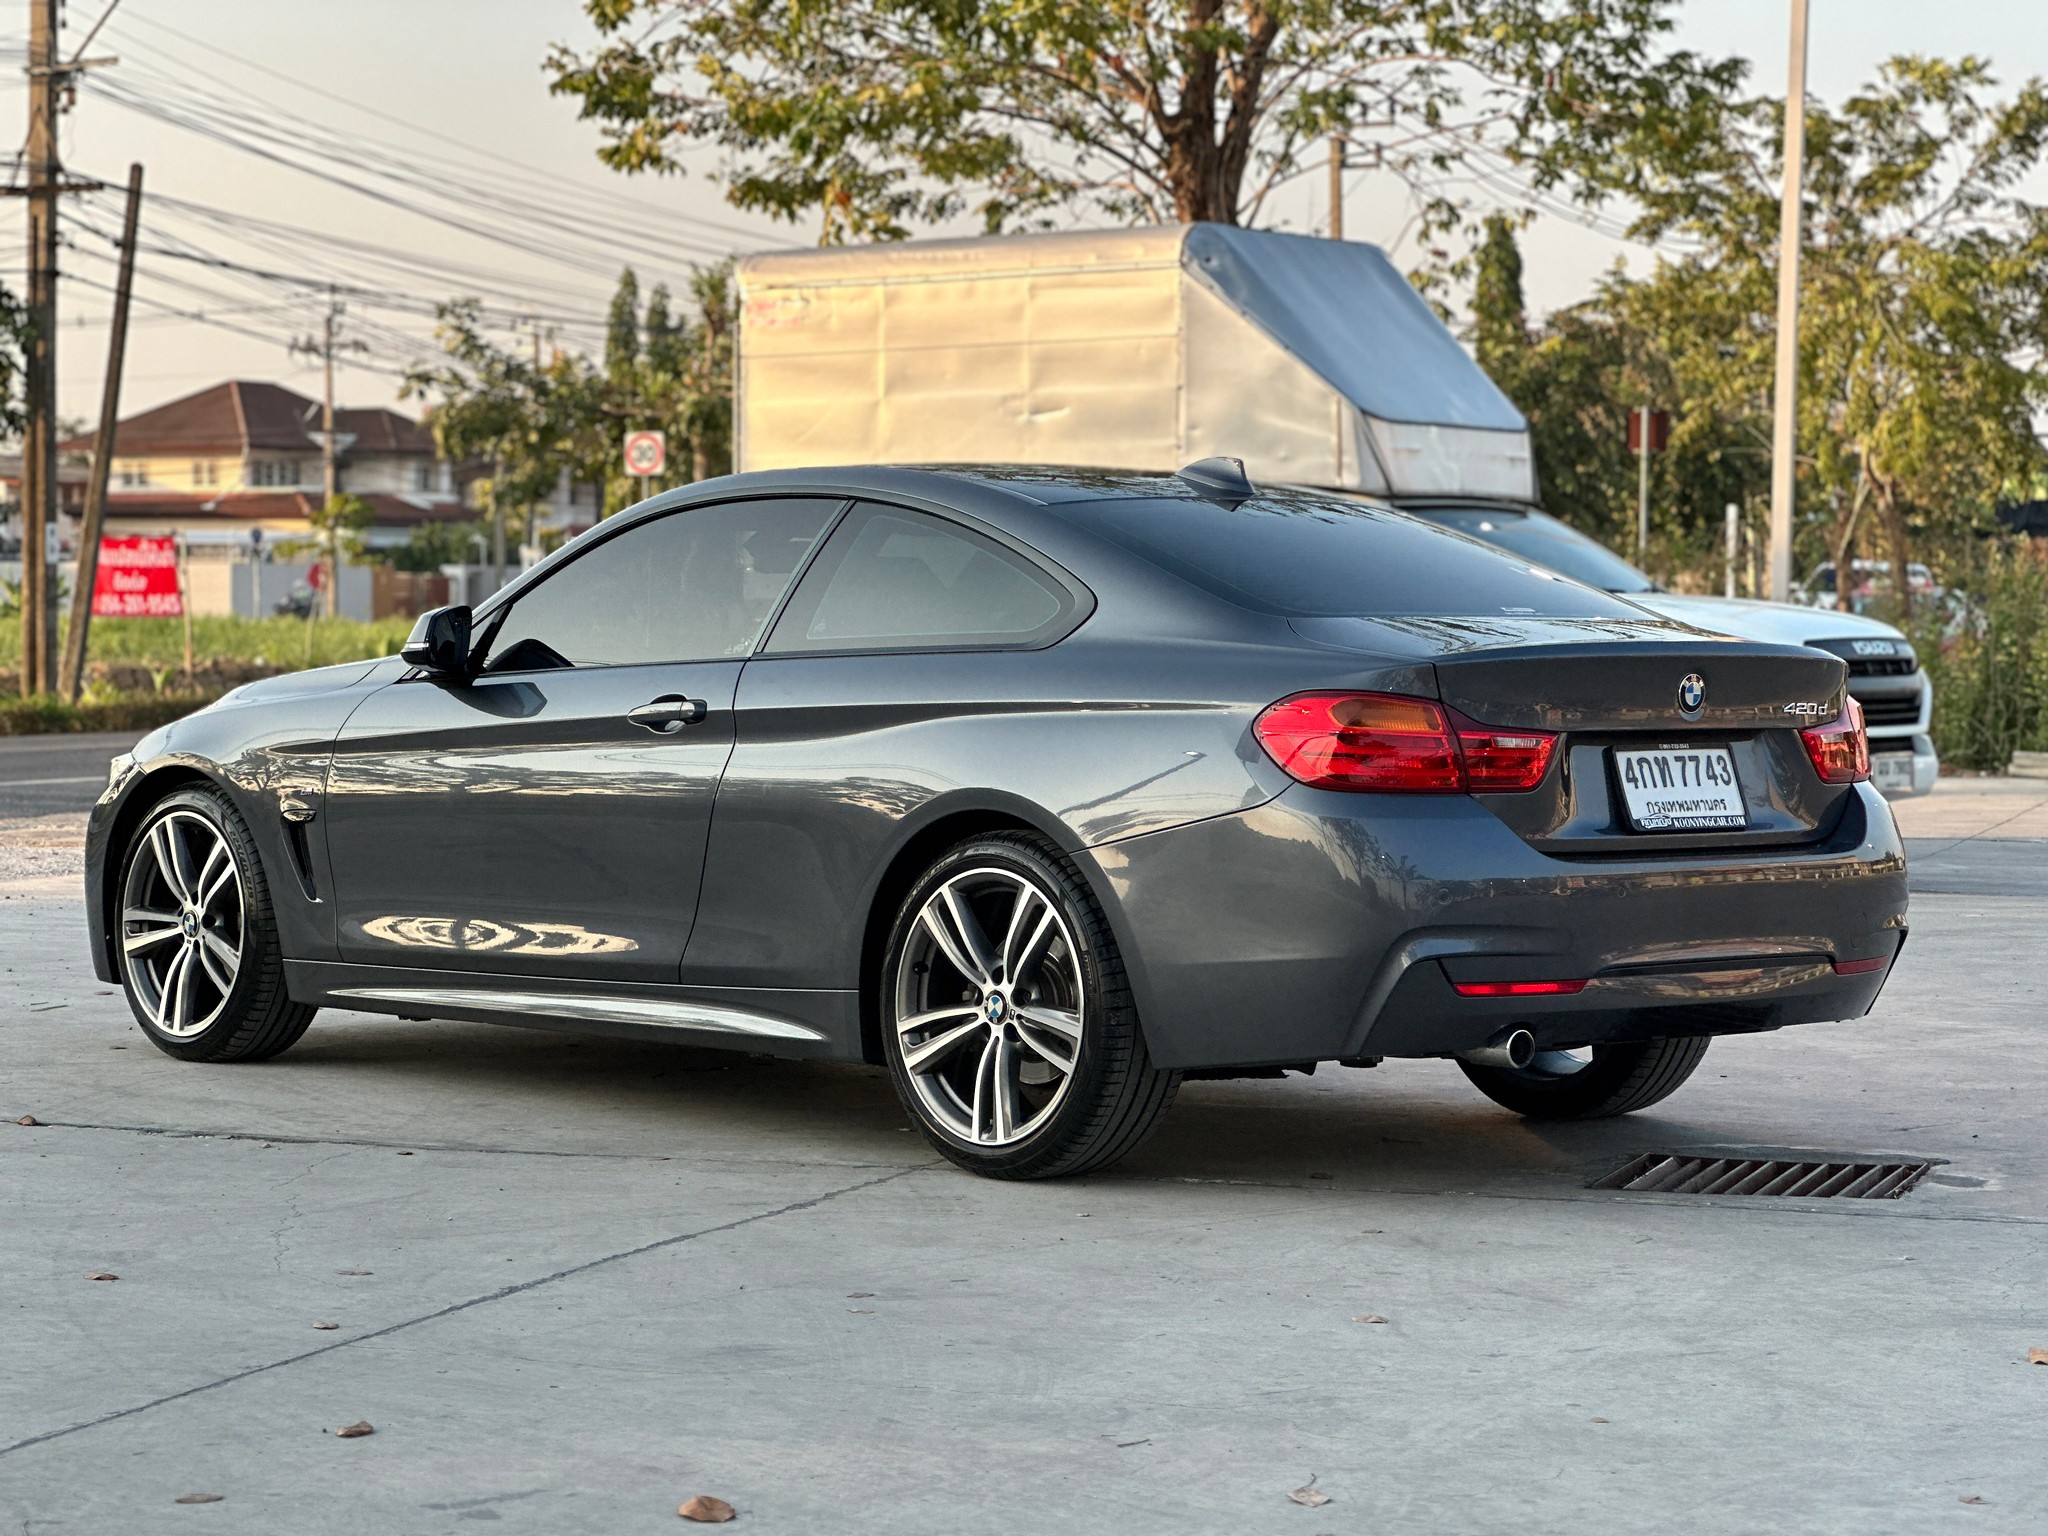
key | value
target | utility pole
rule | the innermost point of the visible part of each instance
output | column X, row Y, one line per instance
column 72, row 673
column 324, row 347
column 39, row 374
column 1336, row 186
column 1785, row 422
column 1643, row 420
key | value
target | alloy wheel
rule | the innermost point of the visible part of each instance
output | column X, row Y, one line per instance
column 989, row 1006
column 182, row 921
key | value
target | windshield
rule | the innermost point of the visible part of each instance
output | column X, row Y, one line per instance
column 1540, row 537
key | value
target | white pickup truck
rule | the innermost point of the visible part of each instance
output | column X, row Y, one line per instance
column 1313, row 361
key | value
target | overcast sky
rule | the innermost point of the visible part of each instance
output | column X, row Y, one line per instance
column 402, row 71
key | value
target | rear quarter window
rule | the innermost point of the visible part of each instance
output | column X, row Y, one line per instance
column 1307, row 557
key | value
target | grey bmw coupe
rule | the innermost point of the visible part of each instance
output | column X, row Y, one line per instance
column 1043, row 788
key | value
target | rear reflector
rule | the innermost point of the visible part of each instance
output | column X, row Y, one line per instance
column 1860, row 967
column 1839, row 749
column 1518, row 988
column 1392, row 743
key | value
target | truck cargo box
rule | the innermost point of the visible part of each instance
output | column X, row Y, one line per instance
column 1314, row 361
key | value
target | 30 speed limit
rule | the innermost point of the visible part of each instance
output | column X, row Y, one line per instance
column 646, row 453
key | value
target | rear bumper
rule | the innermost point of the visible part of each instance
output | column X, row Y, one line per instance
column 1325, row 926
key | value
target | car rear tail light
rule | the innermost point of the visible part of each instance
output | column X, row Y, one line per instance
column 1839, row 749
column 1518, row 988
column 1860, row 967
column 1388, row 742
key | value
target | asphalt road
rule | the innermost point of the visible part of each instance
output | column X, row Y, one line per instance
column 41, row 775
column 575, row 1282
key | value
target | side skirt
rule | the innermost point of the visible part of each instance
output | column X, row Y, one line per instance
column 771, row 1021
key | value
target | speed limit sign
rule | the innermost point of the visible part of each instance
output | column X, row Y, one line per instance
column 646, row 453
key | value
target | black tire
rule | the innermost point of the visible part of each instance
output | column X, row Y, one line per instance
column 1617, row 1080
column 1108, row 1100
column 251, row 1018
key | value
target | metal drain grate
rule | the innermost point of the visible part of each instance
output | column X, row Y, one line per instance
column 1667, row 1173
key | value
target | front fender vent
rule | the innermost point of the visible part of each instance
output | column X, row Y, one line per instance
column 1672, row 1173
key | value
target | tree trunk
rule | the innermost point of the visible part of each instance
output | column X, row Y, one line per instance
column 1895, row 526
column 1205, row 164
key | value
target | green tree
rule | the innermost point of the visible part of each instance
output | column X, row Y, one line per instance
column 622, row 327
column 874, row 115
column 1925, row 306
column 1924, row 299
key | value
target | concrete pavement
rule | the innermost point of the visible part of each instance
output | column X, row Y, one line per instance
column 577, row 1281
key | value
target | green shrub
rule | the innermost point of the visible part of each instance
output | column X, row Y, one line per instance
column 1988, row 660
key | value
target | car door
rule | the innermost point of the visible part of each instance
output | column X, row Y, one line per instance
column 904, row 626
column 549, row 817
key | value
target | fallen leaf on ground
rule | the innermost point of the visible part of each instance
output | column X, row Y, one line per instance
column 101, row 1274
column 1971, row 1498
column 405, row 1154
column 1368, row 1317
column 355, row 1431
column 197, row 1498
column 707, row 1510
column 1599, row 1421
column 1309, row 1495
column 858, row 1295
column 2037, row 1357
column 28, row 1120
column 327, row 1327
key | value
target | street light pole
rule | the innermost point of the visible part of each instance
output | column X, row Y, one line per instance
column 1785, row 423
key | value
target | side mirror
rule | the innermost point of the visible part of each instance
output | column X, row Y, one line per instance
column 439, row 642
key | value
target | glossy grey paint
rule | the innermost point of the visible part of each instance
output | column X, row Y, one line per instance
column 1260, row 921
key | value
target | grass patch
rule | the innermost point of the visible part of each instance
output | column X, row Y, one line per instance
column 284, row 643
column 131, row 712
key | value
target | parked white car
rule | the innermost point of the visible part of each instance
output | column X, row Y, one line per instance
column 1885, row 675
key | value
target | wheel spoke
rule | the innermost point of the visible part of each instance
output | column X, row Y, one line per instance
column 218, row 870
column 220, row 959
column 960, row 936
column 923, row 1058
column 984, row 1100
column 181, row 1014
column 1055, row 1051
column 1003, row 1091
column 1058, row 1020
column 1025, row 944
column 167, row 987
column 169, row 849
column 162, row 925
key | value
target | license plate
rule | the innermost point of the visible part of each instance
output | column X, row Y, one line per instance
column 1669, row 789
column 1892, row 772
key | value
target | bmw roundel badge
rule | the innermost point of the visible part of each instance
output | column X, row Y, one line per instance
column 1692, row 693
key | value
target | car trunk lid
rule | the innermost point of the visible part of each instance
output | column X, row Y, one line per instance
column 1605, row 686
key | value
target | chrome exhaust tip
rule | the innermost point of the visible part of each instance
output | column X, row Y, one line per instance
column 1511, row 1048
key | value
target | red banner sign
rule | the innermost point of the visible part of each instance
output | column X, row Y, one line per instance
column 137, row 579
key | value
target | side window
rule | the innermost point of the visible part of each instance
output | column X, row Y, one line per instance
column 895, row 580
column 696, row 585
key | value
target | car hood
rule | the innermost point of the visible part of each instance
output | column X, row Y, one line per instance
column 1780, row 623
column 298, row 685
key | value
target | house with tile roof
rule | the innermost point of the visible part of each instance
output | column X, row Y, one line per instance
column 245, row 455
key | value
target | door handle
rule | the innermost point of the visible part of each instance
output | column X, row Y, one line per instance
column 668, row 714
